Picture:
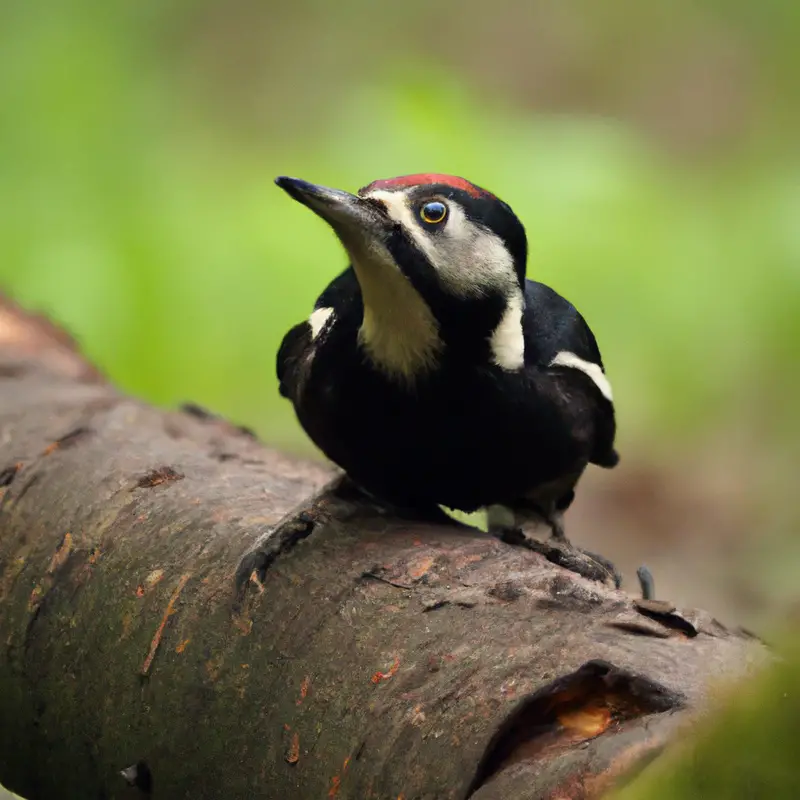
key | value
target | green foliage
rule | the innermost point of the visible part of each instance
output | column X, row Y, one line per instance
column 151, row 227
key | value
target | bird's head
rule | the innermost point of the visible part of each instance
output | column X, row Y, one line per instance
column 441, row 266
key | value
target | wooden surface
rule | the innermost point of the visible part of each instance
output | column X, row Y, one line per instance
column 173, row 592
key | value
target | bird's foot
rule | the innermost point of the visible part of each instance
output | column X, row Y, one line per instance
column 509, row 525
column 559, row 550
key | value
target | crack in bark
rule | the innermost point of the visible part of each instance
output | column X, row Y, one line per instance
column 280, row 540
column 8, row 474
column 69, row 439
column 199, row 412
column 10, row 498
column 339, row 498
column 375, row 577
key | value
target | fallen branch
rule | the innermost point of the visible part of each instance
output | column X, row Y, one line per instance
column 213, row 619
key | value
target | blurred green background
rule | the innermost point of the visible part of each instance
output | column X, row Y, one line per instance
column 650, row 149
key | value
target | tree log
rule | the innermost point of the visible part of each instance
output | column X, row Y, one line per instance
column 215, row 619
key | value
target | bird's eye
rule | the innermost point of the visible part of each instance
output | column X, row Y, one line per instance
column 433, row 213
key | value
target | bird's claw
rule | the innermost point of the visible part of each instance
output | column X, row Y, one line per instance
column 560, row 551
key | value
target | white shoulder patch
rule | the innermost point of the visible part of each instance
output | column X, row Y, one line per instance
column 567, row 359
column 507, row 340
column 319, row 319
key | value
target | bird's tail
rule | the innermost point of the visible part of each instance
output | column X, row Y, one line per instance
column 608, row 460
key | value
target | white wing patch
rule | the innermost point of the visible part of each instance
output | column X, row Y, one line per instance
column 319, row 319
column 567, row 359
column 507, row 340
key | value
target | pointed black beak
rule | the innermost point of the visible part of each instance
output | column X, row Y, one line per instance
column 346, row 213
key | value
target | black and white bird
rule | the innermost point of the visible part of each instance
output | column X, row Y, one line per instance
column 432, row 371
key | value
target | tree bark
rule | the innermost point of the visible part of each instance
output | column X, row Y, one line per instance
column 181, row 601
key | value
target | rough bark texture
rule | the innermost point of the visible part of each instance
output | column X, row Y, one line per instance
column 170, row 598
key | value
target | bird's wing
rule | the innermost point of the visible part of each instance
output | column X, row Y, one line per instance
column 552, row 325
column 292, row 358
column 294, row 346
column 558, row 338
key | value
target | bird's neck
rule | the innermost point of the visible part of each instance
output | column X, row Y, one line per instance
column 399, row 332
column 407, row 337
column 410, row 325
column 483, row 330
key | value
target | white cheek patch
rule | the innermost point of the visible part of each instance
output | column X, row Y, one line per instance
column 471, row 258
column 567, row 359
column 468, row 258
column 507, row 340
column 469, row 261
column 319, row 319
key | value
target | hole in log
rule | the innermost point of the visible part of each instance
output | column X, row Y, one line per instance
column 281, row 540
column 158, row 476
column 595, row 699
column 8, row 474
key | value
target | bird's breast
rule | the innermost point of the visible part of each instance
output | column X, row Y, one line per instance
column 460, row 438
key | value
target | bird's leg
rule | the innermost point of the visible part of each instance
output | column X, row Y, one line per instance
column 509, row 525
column 556, row 521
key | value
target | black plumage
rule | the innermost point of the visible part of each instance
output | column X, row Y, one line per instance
column 461, row 437
column 467, row 433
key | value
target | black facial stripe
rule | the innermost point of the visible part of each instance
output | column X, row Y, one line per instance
column 465, row 321
column 413, row 261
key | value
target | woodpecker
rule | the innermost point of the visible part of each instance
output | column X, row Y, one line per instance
column 432, row 371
